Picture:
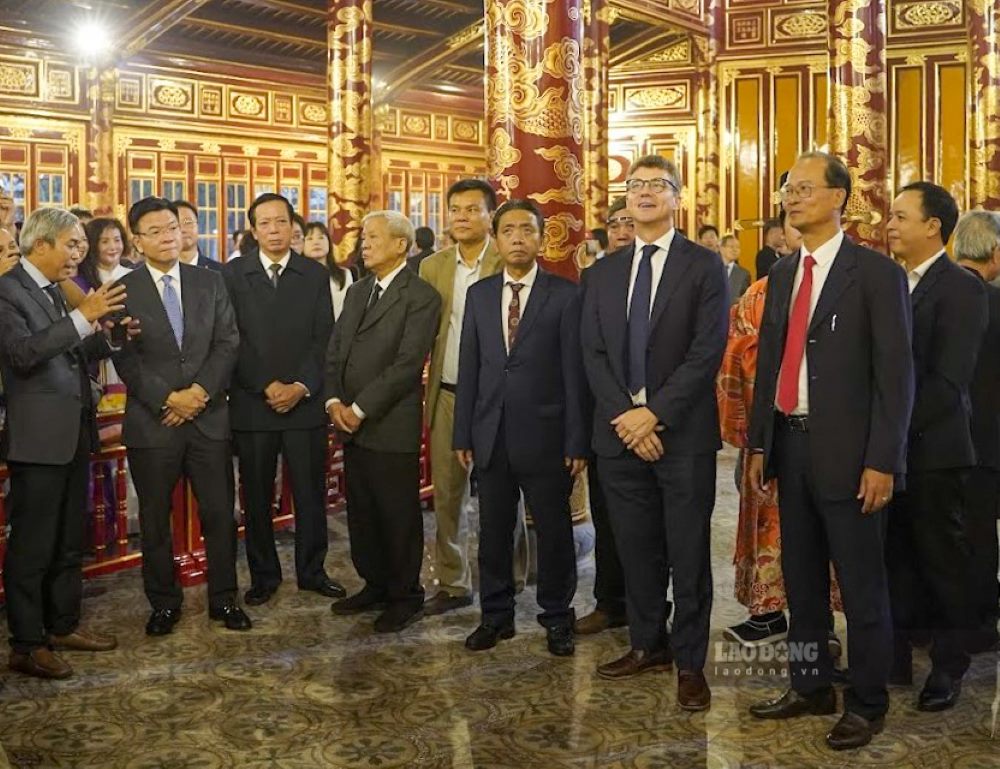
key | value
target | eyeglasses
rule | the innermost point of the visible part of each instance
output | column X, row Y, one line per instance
column 155, row 232
column 802, row 190
column 620, row 221
column 655, row 185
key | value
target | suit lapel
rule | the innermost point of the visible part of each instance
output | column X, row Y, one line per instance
column 143, row 294
column 387, row 300
column 674, row 268
column 840, row 277
column 37, row 294
column 354, row 308
column 926, row 283
column 495, row 322
column 618, row 281
column 779, row 286
column 536, row 302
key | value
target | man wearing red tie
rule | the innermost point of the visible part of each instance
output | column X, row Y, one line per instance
column 829, row 421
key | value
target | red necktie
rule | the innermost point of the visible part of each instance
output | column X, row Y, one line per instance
column 795, row 341
column 513, row 312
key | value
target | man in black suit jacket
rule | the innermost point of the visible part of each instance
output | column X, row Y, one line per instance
column 927, row 552
column 653, row 333
column 374, row 367
column 830, row 414
column 176, row 416
column 774, row 240
column 50, row 432
column 190, row 250
column 520, row 417
column 977, row 248
column 738, row 277
column 284, row 314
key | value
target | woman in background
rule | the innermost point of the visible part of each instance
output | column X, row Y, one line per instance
column 316, row 245
column 103, row 262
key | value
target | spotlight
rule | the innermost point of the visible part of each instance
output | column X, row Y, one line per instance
column 92, row 41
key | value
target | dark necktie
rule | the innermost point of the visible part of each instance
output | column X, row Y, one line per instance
column 513, row 312
column 55, row 294
column 638, row 320
column 275, row 269
column 795, row 341
column 375, row 294
column 57, row 299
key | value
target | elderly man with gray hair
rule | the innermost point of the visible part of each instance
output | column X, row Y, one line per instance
column 374, row 396
column 977, row 248
column 51, row 429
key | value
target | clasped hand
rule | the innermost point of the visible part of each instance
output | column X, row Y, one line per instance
column 282, row 397
column 344, row 418
column 637, row 429
column 184, row 405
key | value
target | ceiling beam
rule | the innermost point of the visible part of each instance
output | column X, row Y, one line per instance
column 409, row 73
column 149, row 23
column 656, row 15
column 256, row 33
column 641, row 45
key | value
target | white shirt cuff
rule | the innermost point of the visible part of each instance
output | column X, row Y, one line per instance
column 354, row 407
column 83, row 326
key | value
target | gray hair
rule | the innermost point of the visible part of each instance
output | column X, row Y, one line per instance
column 399, row 225
column 45, row 224
column 977, row 236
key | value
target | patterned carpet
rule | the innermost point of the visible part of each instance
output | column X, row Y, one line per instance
column 307, row 690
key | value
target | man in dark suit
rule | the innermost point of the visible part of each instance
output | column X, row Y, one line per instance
column 739, row 277
column 829, row 420
column 774, row 241
column 977, row 248
column 927, row 552
column 374, row 368
column 520, row 417
column 284, row 314
column 50, row 432
column 653, row 333
column 176, row 416
column 190, row 250
column 425, row 244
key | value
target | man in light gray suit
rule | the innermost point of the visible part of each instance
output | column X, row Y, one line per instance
column 51, row 430
column 739, row 278
column 374, row 369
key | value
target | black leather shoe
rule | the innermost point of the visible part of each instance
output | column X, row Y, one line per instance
column 328, row 587
column 940, row 692
column 853, row 731
column 232, row 615
column 398, row 616
column 486, row 637
column 365, row 600
column 162, row 621
column 791, row 704
column 560, row 640
column 258, row 594
column 442, row 602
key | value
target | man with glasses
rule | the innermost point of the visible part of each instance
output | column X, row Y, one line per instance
column 831, row 408
column 654, row 329
column 176, row 416
column 190, row 250
column 621, row 228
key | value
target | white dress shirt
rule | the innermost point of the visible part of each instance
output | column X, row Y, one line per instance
column 507, row 296
column 465, row 276
column 657, row 262
column 175, row 273
column 119, row 271
column 83, row 327
column 824, row 256
column 267, row 261
column 913, row 276
column 337, row 294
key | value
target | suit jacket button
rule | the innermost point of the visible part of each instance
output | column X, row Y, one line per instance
column 183, row 359
column 812, row 341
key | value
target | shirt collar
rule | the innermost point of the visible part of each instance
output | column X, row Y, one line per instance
column 174, row 272
column 266, row 262
column 479, row 259
column 825, row 254
column 384, row 282
column 663, row 242
column 35, row 273
column 527, row 281
column 924, row 266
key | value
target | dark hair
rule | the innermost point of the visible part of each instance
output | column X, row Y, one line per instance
column 237, row 236
column 468, row 185
column 179, row 204
column 424, row 237
column 836, row 176
column 936, row 203
column 707, row 228
column 267, row 197
column 248, row 244
column 80, row 213
column 95, row 229
column 296, row 219
column 518, row 204
column 601, row 236
column 336, row 271
column 770, row 224
column 148, row 206
column 618, row 204
column 656, row 161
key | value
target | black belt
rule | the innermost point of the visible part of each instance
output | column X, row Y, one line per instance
column 797, row 424
column 450, row 388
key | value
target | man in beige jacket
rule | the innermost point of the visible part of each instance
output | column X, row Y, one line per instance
column 471, row 203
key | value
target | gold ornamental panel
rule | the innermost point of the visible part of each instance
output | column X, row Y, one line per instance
column 211, row 101
column 798, row 25
column 745, row 30
column 924, row 15
column 19, row 78
column 172, row 96
column 668, row 98
column 250, row 106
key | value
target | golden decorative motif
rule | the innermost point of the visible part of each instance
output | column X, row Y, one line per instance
column 166, row 144
column 983, row 18
column 416, row 125
column 923, row 14
column 314, row 113
column 501, row 153
column 667, row 97
column 747, row 30
column 688, row 6
column 250, row 150
column 677, row 53
column 529, row 20
column 557, row 235
column 467, row 35
column 567, row 169
column 465, row 130
column 211, row 101
column 248, row 105
column 129, row 92
column 21, row 133
column 171, row 96
column 288, row 153
column 59, row 83
column 804, row 24
column 20, row 79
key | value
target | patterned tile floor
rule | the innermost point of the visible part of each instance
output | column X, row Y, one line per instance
column 307, row 690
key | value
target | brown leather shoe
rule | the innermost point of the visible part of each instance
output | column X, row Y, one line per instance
column 40, row 663
column 636, row 662
column 82, row 641
column 692, row 690
column 597, row 622
column 853, row 731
